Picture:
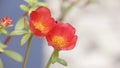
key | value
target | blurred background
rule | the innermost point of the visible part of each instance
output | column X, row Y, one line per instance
column 97, row 24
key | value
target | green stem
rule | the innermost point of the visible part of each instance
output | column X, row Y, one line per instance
column 53, row 58
column 26, row 53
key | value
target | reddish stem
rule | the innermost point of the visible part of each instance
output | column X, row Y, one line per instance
column 7, row 40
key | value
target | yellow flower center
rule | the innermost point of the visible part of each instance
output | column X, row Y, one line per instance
column 39, row 26
column 58, row 40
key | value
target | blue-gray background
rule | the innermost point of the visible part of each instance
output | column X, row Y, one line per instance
column 35, row 59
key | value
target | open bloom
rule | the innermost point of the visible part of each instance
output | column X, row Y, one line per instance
column 62, row 37
column 41, row 21
column 5, row 22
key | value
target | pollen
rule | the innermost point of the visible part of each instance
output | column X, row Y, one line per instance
column 39, row 26
column 58, row 40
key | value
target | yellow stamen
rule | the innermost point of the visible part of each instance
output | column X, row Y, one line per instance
column 58, row 40
column 39, row 26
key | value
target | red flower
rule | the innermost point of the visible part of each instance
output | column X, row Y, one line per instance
column 5, row 22
column 41, row 21
column 62, row 37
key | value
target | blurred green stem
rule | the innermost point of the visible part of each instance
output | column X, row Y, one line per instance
column 53, row 58
column 27, row 53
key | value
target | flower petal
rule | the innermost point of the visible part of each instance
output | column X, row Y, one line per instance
column 62, row 37
column 41, row 21
column 43, row 11
column 71, row 44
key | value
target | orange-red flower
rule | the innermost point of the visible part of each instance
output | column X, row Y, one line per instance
column 62, row 36
column 41, row 21
column 5, row 22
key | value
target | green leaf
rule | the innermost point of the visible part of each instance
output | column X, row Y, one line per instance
column 10, row 25
column 3, row 31
column 24, row 8
column 20, row 24
column 13, row 55
column 1, row 50
column 42, row 4
column 31, row 2
column 55, row 56
column 61, row 61
column 26, row 24
column 54, row 59
column 25, row 39
column 2, row 45
column 1, row 64
column 31, row 9
column 17, row 32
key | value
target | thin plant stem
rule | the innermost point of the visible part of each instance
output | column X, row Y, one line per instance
column 54, row 55
column 27, row 53
column 7, row 40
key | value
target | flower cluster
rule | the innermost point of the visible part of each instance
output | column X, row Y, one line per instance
column 59, row 35
column 5, row 22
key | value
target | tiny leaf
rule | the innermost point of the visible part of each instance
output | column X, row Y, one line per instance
column 2, row 45
column 25, row 39
column 1, row 64
column 31, row 2
column 3, row 31
column 32, row 9
column 1, row 50
column 55, row 56
column 61, row 61
column 20, row 24
column 54, row 59
column 42, row 4
column 13, row 55
column 24, row 8
column 17, row 32
column 26, row 24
